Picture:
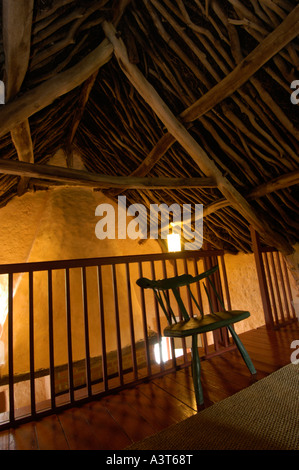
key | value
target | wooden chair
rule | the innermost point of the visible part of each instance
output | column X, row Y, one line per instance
column 191, row 325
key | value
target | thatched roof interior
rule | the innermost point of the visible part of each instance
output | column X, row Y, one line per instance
column 184, row 48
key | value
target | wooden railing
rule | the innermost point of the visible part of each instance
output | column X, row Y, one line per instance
column 274, row 282
column 102, row 331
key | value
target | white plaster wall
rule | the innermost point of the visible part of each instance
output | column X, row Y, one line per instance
column 54, row 225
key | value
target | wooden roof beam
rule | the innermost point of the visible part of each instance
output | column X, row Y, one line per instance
column 15, row 112
column 270, row 46
column 84, row 96
column 281, row 182
column 17, row 25
column 94, row 180
column 199, row 156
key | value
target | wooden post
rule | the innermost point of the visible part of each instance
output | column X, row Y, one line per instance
column 262, row 278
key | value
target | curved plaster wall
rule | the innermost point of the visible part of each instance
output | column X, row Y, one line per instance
column 54, row 225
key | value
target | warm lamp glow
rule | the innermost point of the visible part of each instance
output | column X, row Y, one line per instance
column 174, row 242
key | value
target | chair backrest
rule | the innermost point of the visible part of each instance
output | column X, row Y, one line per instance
column 162, row 286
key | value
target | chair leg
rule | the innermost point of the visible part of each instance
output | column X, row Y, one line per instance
column 242, row 350
column 196, row 368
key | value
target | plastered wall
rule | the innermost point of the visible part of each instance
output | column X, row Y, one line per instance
column 60, row 224
column 53, row 225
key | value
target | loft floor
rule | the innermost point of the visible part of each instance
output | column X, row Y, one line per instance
column 115, row 421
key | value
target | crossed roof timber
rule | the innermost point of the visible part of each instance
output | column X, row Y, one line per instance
column 19, row 110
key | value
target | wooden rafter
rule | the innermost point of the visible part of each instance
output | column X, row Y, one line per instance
column 17, row 25
column 272, row 44
column 94, row 180
column 281, row 182
column 43, row 95
column 84, row 96
column 200, row 157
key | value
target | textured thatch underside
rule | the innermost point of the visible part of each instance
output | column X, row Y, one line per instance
column 184, row 48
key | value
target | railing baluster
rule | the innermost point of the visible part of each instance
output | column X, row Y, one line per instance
column 257, row 250
column 10, row 350
column 131, row 322
column 216, row 335
column 153, row 273
column 31, row 345
column 284, row 294
column 218, row 284
column 103, row 334
column 183, row 340
column 226, row 289
column 293, row 313
column 118, row 338
column 276, row 285
column 66, row 266
column 51, row 338
column 270, row 285
column 69, row 334
column 203, row 336
column 224, row 331
column 169, row 339
column 143, row 310
column 86, row 331
column 190, row 304
column 199, row 297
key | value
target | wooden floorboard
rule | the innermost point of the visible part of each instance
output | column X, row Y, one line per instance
column 115, row 421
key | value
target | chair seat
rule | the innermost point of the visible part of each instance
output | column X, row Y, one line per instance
column 210, row 322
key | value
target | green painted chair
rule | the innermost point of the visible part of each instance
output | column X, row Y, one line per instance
column 192, row 326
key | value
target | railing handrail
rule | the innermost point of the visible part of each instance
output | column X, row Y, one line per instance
column 114, row 369
column 108, row 260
